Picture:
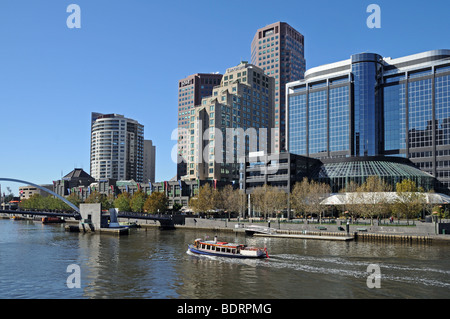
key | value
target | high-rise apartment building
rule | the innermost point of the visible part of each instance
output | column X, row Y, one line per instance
column 149, row 161
column 117, row 147
column 358, row 115
column 279, row 50
column 191, row 90
column 235, row 120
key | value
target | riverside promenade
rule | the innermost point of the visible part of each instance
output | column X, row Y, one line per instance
column 417, row 231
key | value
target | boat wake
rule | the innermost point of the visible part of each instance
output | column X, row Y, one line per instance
column 343, row 267
column 338, row 266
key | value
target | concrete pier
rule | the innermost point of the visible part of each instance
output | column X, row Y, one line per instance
column 394, row 238
column 307, row 236
column 92, row 220
column 422, row 233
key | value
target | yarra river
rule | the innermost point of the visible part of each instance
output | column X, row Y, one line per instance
column 154, row 264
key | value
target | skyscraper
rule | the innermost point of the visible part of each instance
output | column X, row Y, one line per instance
column 117, row 147
column 361, row 113
column 235, row 120
column 279, row 49
column 191, row 90
column 149, row 161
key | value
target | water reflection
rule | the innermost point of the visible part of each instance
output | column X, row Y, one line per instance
column 156, row 264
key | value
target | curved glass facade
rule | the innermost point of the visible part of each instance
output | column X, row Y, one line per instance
column 370, row 106
column 339, row 174
column 366, row 71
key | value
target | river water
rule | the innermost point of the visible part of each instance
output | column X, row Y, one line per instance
column 36, row 261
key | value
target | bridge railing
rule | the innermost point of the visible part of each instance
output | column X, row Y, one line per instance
column 144, row 216
column 40, row 213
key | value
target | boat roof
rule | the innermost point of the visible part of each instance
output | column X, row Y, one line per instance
column 221, row 243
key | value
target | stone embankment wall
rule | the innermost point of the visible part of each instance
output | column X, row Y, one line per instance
column 420, row 228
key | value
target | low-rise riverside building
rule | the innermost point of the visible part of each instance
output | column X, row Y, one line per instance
column 177, row 191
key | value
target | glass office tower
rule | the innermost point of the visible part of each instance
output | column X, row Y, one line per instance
column 371, row 107
column 366, row 69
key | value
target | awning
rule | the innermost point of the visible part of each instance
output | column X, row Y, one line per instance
column 390, row 197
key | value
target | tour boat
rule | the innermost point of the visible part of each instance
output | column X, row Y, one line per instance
column 224, row 249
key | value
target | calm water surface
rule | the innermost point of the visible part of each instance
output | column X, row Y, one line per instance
column 155, row 264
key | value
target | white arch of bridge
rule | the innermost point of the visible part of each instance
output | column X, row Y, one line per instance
column 41, row 188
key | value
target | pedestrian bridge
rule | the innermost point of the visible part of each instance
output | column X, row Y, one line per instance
column 166, row 221
column 13, row 180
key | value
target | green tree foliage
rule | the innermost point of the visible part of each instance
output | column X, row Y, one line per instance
column 74, row 199
column 157, row 201
column 137, row 202
column 176, row 206
column 97, row 197
column 122, row 202
column 41, row 203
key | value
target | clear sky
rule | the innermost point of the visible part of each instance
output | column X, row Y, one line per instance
column 128, row 56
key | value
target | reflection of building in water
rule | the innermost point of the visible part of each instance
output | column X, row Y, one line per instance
column 370, row 106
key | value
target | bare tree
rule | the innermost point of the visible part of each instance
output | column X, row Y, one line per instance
column 268, row 200
column 298, row 196
column 276, row 199
column 372, row 199
column 259, row 199
column 228, row 199
column 205, row 200
column 308, row 196
column 318, row 193
column 410, row 199
column 351, row 199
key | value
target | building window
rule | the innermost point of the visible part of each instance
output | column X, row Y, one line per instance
column 420, row 113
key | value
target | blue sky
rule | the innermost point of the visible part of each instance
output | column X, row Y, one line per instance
column 128, row 56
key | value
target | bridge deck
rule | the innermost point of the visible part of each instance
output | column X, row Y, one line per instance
column 165, row 220
column 34, row 213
